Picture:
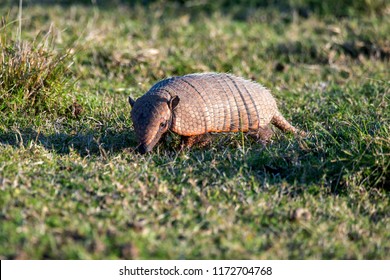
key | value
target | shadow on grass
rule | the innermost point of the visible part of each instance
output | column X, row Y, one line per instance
column 304, row 165
column 307, row 169
column 84, row 143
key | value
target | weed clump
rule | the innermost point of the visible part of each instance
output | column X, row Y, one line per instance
column 33, row 78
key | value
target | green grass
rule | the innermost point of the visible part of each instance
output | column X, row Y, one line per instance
column 71, row 187
column 34, row 78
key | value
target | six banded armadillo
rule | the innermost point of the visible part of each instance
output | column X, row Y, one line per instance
column 195, row 104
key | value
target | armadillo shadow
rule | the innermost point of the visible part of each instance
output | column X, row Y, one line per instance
column 257, row 164
column 84, row 143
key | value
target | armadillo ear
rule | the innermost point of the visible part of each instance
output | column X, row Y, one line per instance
column 131, row 101
column 173, row 102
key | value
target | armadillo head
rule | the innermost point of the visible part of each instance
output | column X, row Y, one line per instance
column 152, row 117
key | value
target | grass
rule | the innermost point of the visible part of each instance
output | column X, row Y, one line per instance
column 72, row 187
column 34, row 78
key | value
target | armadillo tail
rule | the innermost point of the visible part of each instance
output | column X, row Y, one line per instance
column 280, row 122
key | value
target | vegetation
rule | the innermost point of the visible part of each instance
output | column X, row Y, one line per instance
column 33, row 79
column 72, row 186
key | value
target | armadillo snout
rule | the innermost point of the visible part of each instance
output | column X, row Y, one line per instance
column 143, row 149
column 147, row 139
column 150, row 115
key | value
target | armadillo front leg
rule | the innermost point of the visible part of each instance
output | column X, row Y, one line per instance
column 202, row 140
column 263, row 134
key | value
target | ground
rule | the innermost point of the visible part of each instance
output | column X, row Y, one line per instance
column 72, row 186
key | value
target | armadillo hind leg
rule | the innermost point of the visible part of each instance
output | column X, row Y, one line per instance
column 280, row 122
column 201, row 140
column 263, row 134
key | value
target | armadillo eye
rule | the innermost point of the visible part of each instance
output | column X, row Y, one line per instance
column 163, row 124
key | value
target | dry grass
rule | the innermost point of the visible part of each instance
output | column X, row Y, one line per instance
column 34, row 77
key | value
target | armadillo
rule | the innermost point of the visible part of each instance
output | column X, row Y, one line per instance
column 196, row 104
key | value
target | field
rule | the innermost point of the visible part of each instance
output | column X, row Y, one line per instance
column 72, row 186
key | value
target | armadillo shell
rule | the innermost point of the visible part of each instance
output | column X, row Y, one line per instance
column 213, row 102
